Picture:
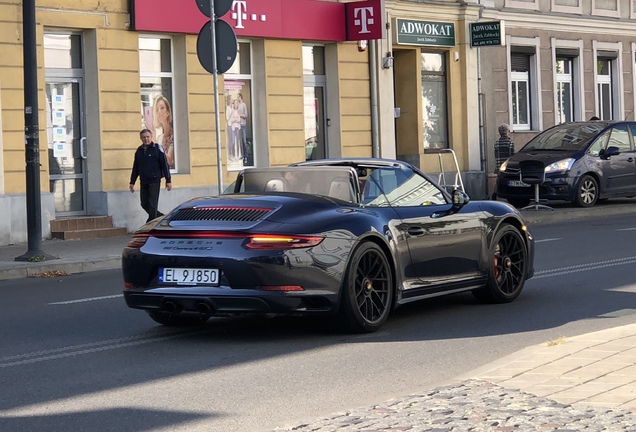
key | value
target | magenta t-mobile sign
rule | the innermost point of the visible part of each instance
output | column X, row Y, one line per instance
column 364, row 20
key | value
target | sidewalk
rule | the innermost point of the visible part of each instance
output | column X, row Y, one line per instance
column 73, row 256
column 581, row 383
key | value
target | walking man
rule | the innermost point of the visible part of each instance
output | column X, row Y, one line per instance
column 150, row 166
column 504, row 149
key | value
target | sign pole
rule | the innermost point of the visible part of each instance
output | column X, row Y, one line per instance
column 217, row 119
column 32, row 137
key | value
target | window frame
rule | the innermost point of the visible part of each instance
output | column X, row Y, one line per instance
column 162, row 76
column 571, row 49
column 614, row 53
column 530, row 47
column 230, row 76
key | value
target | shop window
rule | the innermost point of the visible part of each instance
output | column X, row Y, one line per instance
column 62, row 51
column 564, row 94
column 434, row 104
column 157, row 93
column 315, row 82
column 238, row 110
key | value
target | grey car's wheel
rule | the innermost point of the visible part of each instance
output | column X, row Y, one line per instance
column 586, row 192
column 508, row 267
column 367, row 290
column 175, row 320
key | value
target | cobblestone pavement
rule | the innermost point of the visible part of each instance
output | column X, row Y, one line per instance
column 472, row 406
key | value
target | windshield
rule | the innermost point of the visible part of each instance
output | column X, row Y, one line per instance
column 336, row 182
column 566, row 137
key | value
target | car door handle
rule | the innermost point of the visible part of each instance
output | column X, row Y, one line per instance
column 630, row 159
column 415, row 231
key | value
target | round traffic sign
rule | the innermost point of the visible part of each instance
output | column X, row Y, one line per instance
column 221, row 7
column 226, row 47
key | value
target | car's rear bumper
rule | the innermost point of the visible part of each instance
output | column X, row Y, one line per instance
column 219, row 301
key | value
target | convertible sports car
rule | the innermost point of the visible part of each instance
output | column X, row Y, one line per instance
column 354, row 238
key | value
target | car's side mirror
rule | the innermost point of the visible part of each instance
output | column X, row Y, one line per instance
column 611, row 151
column 460, row 199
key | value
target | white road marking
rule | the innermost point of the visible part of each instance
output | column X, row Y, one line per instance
column 106, row 345
column 548, row 240
column 584, row 267
column 627, row 229
column 84, row 300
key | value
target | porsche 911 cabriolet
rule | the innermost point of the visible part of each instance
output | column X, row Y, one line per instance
column 351, row 238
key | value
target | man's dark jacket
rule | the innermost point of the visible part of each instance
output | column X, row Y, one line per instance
column 150, row 165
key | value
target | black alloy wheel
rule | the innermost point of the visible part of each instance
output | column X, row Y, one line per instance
column 508, row 267
column 174, row 320
column 367, row 291
column 586, row 192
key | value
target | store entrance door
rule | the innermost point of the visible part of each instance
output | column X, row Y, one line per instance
column 66, row 145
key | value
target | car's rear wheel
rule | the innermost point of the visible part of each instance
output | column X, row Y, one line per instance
column 170, row 319
column 367, row 291
column 508, row 267
column 586, row 192
column 518, row 202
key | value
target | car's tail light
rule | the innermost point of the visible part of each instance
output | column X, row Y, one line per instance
column 138, row 241
column 266, row 241
column 282, row 288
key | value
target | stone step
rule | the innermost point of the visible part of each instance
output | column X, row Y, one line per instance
column 81, row 223
column 89, row 233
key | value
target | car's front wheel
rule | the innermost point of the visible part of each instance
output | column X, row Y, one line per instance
column 586, row 192
column 508, row 267
column 174, row 320
column 367, row 291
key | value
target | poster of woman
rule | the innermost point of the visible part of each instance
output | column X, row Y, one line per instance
column 157, row 117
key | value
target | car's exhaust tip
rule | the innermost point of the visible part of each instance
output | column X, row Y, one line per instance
column 204, row 309
column 171, row 307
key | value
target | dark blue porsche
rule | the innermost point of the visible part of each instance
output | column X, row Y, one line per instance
column 354, row 238
column 584, row 162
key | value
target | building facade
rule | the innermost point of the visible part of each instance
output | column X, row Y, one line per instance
column 107, row 69
column 563, row 60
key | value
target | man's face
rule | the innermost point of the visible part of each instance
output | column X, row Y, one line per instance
column 146, row 138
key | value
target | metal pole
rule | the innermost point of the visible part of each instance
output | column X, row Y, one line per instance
column 32, row 137
column 373, row 82
column 217, row 119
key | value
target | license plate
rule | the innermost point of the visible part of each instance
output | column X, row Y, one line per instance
column 189, row 276
column 517, row 183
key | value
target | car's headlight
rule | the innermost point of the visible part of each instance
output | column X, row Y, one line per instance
column 503, row 166
column 560, row 166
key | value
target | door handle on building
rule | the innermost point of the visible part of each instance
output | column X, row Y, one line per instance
column 83, row 147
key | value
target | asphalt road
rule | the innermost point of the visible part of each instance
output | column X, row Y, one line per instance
column 73, row 357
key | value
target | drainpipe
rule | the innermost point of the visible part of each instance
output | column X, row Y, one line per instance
column 373, row 83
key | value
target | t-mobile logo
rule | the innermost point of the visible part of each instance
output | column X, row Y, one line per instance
column 240, row 14
column 363, row 17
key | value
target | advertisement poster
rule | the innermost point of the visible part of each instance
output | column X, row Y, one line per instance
column 238, row 116
column 156, row 116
